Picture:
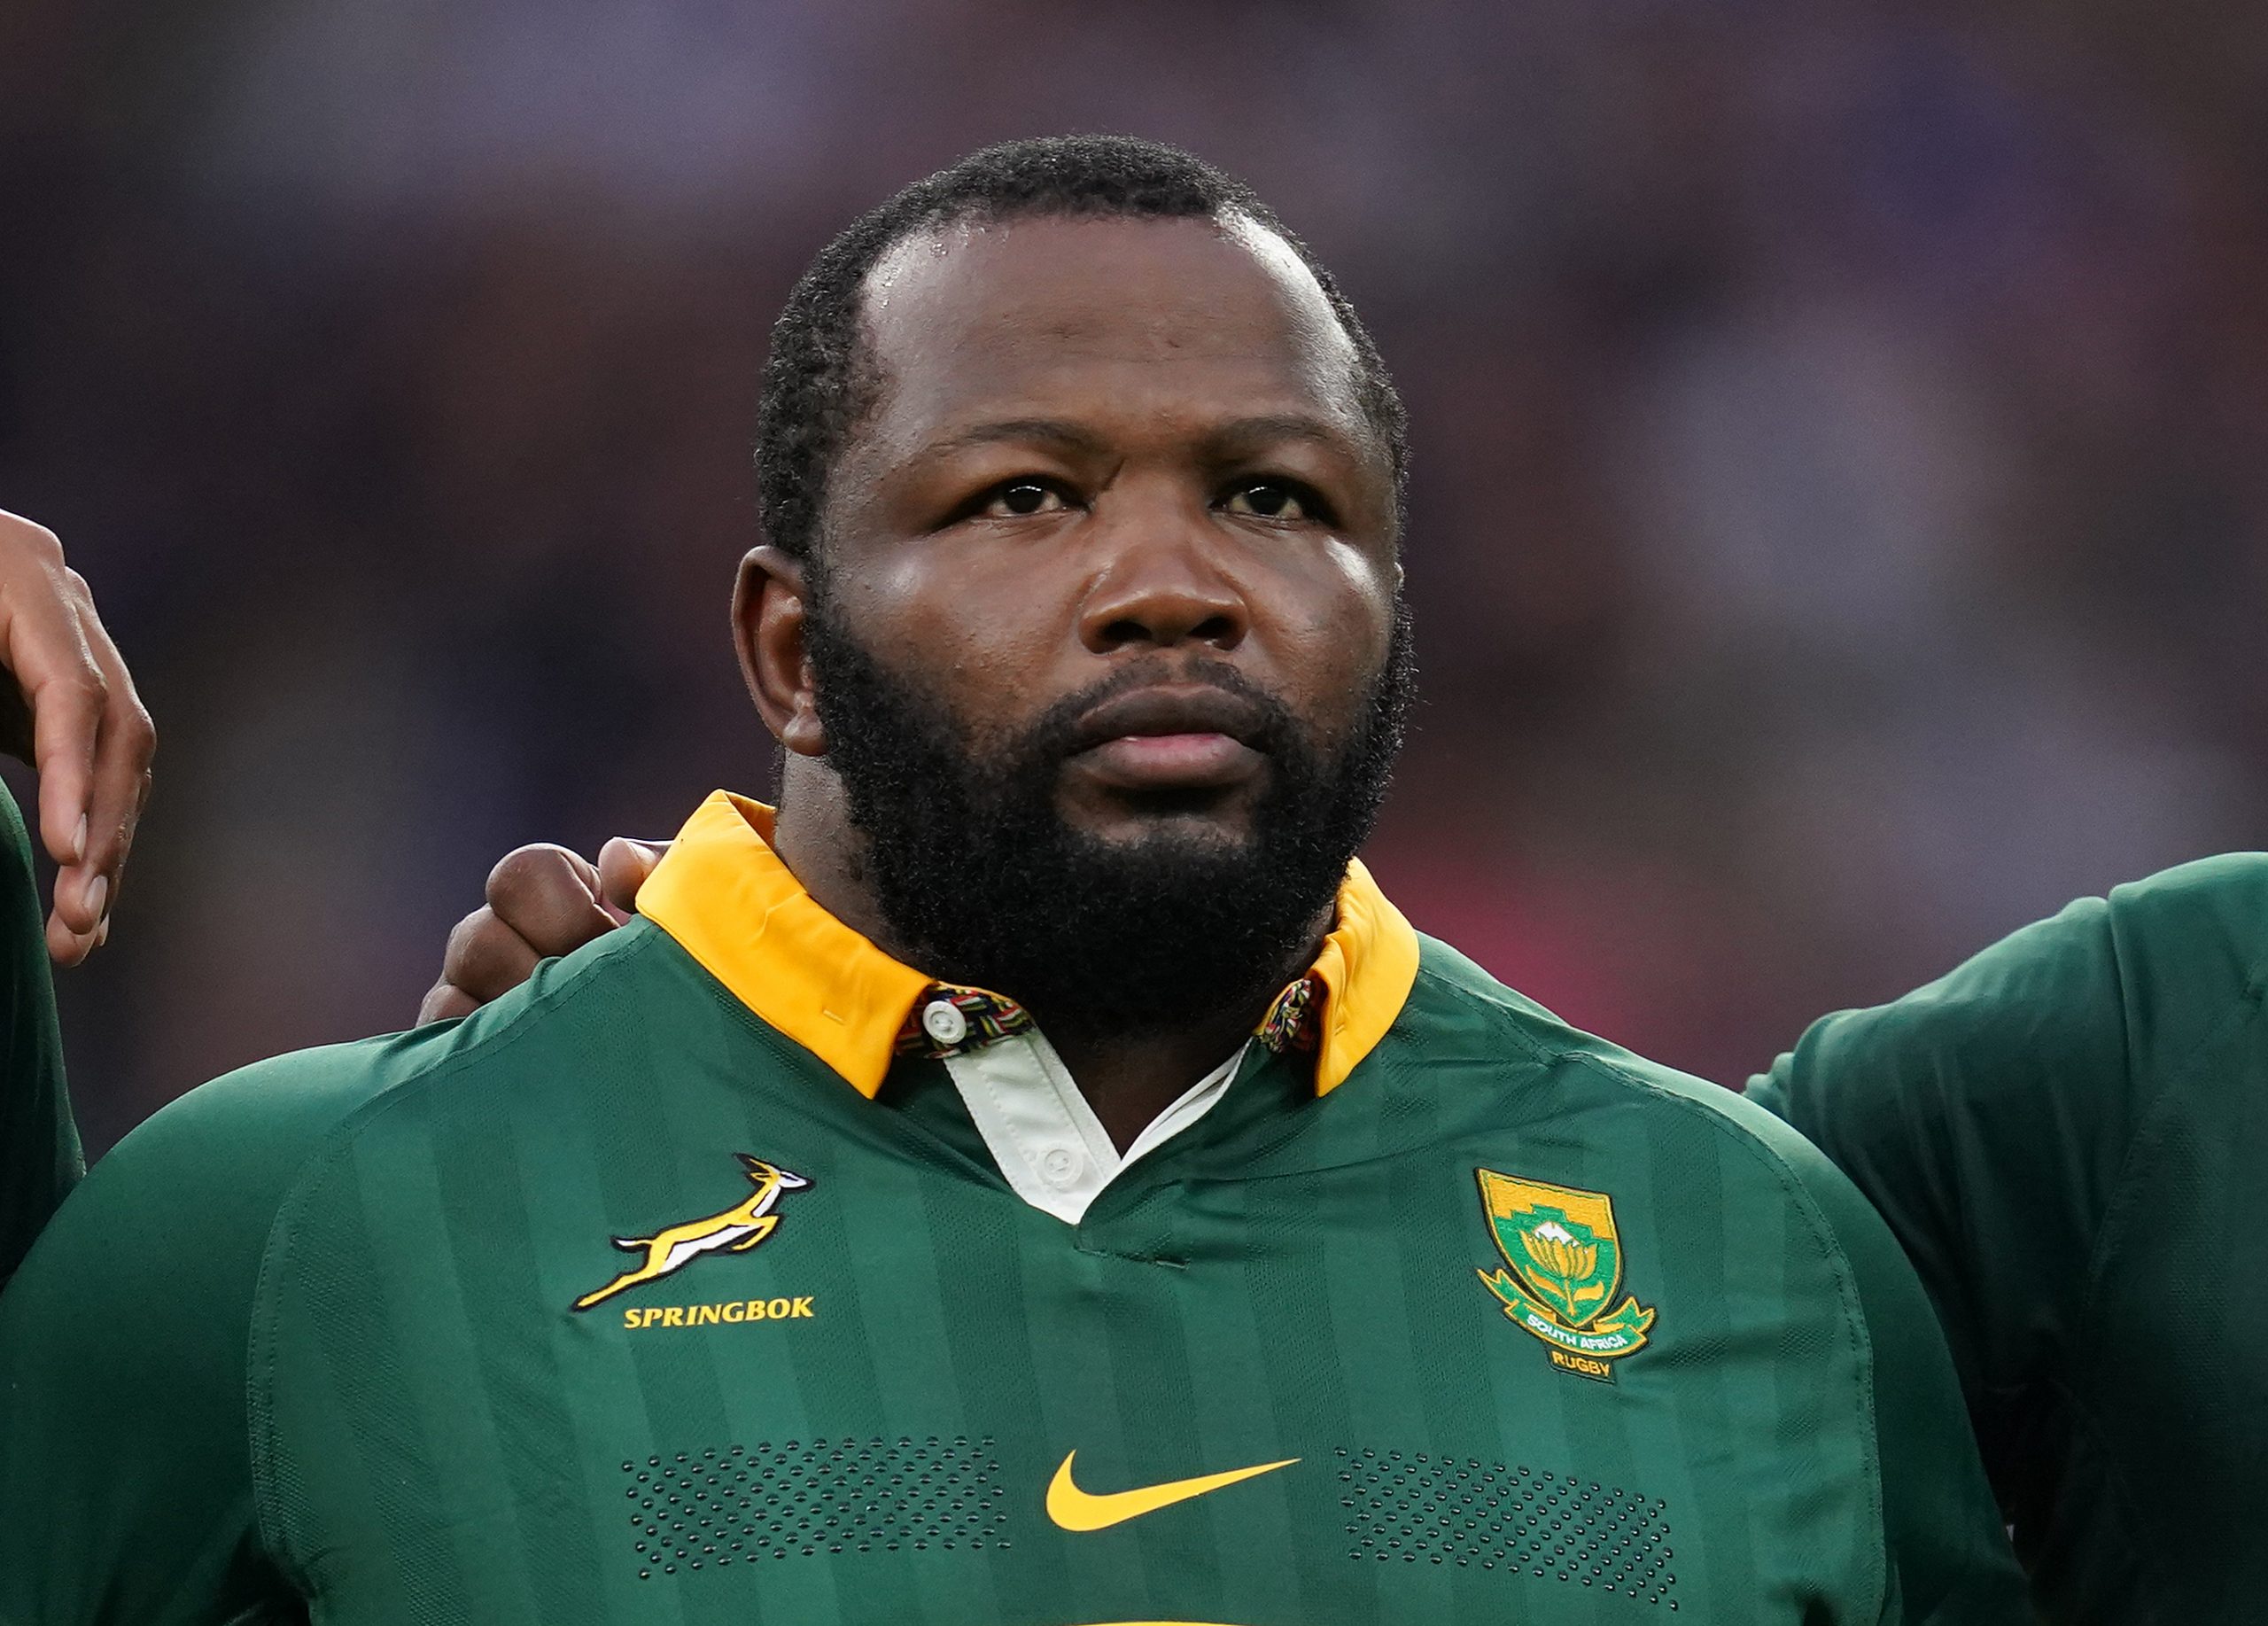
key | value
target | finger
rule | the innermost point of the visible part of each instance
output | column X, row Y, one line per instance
column 66, row 947
column 549, row 897
column 87, row 891
column 444, row 1003
column 486, row 957
column 67, row 695
column 623, row 865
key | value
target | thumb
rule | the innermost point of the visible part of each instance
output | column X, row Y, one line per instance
column 623, row 865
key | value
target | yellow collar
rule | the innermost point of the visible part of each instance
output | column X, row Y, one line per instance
column 730, row 903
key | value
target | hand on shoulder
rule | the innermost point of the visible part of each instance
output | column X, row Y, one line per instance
column 71, row 712
column 543, row 900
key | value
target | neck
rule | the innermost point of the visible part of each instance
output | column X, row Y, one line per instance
column 813, row 836
column 1127, row 1078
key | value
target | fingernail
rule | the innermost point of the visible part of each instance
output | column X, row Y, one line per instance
column 97, row 895
column 79, row 842
column 102, row 932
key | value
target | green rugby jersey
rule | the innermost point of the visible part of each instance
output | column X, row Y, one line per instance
column 678, row 1287
column 2069, row 1134
column 39, row 1146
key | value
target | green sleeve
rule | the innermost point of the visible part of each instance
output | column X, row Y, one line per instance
column 39, row 1145
column 1984, row 1117
column 126, row 1471
column 1992, row 1115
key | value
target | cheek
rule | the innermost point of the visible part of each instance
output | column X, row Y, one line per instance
column 982, row 637
column 1330, row 634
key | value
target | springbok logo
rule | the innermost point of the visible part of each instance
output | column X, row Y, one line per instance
column 736, row 1230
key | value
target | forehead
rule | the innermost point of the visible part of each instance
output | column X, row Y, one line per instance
column 1167, row 318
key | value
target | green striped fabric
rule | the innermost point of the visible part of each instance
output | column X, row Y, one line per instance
column 306, row 1345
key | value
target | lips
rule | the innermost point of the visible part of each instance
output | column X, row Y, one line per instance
column 1167, row 709
column 1170, row 739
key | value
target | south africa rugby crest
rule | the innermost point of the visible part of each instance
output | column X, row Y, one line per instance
column 1567, row 1262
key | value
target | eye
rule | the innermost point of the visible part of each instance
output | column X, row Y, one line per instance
column 1021, row 497
column 1270, row 499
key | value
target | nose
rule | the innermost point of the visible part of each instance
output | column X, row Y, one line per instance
column 1161, row 586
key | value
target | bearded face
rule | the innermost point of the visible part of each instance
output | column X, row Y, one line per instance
column 983, row 880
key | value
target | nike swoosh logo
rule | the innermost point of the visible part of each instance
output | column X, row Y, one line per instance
column 1075, row 1509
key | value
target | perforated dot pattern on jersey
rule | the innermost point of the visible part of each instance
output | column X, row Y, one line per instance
column 725, row 1505
column 1413, row 1508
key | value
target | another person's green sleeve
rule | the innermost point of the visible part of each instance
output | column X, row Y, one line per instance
column 1984, row 1117
column 39, row 1145
column 126, row 1467
column 2066, row 1135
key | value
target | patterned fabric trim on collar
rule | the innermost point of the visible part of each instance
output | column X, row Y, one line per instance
column 951, row 1019
column 1289, row 1026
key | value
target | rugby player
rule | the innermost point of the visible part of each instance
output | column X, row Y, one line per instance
column 2065, row 1133
column 1035, row 1175
column 70, row 710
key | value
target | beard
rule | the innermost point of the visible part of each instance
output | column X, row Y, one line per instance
column 983, row 881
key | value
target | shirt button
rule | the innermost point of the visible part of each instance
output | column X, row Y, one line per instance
column 1058, row 1165
column 942, row 1021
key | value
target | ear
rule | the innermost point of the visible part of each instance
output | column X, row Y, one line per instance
column 768, row 607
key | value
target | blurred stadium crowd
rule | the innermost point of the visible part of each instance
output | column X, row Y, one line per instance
column 1840, row 520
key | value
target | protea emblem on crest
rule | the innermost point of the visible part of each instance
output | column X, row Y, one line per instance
column 1566, row 1261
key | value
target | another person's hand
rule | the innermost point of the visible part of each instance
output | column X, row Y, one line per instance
column 543, row 900
column 72, row 714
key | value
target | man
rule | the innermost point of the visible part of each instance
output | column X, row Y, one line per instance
column 1035, row 1175
column 69, row 709
column 2064, row 1134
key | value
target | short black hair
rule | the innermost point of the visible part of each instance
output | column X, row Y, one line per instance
column 819, row 381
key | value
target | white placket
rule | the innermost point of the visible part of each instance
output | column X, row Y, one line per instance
column 1051, row 1148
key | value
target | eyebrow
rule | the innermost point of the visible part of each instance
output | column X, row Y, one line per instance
column 1071, row 437
column 1051, row 431
column 1281, row 426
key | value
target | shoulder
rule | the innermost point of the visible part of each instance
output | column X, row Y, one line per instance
column 1698, row 1173
column 127, row 1338
column 227, row 1153
column 286, row 1105
column 2083, row 1011
column 2189, row 943
column 2230, row 888
column 1698, row 1179
column 2194, row 937
column 1619, row 1098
